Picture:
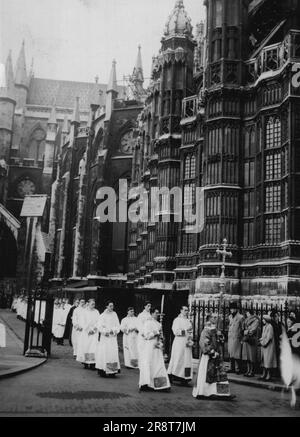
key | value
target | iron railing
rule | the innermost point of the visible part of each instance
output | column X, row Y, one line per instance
column 200, row 308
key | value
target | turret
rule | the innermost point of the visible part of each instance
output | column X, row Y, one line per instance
column 199, row 58
column 226, row 41
column 112, row 91
column 7, row 110
column 137, row 78
column 75, row 123
column 21, row 79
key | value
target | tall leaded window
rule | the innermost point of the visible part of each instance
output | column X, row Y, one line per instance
column 273, row 166
column 273, row 198
column 273, row 230
column 273, row 132
column 189, row 187
column 190, row 167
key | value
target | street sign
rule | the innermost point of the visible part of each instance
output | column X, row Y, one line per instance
column 33, row 206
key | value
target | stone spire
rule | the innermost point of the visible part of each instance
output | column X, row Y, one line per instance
column 76, row 114
column 112, row 84
column 136, row 90
column 21, row 72
column 138, row 74
column 31, row 73
column 179, row 23
column 111, row 92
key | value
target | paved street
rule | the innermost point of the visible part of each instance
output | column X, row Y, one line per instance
column 62, row 387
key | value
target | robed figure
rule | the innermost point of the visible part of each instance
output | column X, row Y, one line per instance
column 77, row 325
column 69, row 324
column 87, row 342
column 58, row 323
column 107, row 356
column 212, row 381
column 143, row 317
column 180, row 366
column 153, row 373
column 129, row 327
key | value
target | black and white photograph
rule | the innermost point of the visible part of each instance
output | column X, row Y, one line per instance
column 149, row 211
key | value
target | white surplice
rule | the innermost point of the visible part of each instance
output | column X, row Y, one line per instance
column 129, row 327
column 153, row 372
column 87, row 341
column 58, row 322
column 77, row 318
column 19, row 306
column 107, row 354
column 141, row 319
column 181, row 357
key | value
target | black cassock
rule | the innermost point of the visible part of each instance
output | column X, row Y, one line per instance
column 69, row 326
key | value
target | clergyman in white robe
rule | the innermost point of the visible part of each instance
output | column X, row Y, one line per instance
column 153, row 373
column 58, row 323
column 87, row 344
column 129, row 327
column 107, row 355
column 180, row 366
column 141, row 319
column 77, row 325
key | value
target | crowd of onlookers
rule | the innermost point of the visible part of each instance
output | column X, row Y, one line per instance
column 251, row 347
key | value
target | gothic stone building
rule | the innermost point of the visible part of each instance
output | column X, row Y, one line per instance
column 37, row 117
column 221, row 113
column 236, row 135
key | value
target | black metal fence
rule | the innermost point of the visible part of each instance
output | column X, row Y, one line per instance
column 38, row 322
column 200, row 308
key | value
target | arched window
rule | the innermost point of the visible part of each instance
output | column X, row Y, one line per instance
column 273, row 132
column 187, row 167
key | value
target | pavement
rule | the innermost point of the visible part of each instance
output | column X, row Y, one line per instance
column 12, row 361
column 61, row 387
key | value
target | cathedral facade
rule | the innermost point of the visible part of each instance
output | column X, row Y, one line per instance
column 237, row 137
column 221, row 114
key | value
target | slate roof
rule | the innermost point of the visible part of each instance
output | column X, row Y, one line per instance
column 62, row 93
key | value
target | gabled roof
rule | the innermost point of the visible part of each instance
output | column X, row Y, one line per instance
column 44, row 92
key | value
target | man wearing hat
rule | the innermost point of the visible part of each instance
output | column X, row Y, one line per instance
column 235, row 336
